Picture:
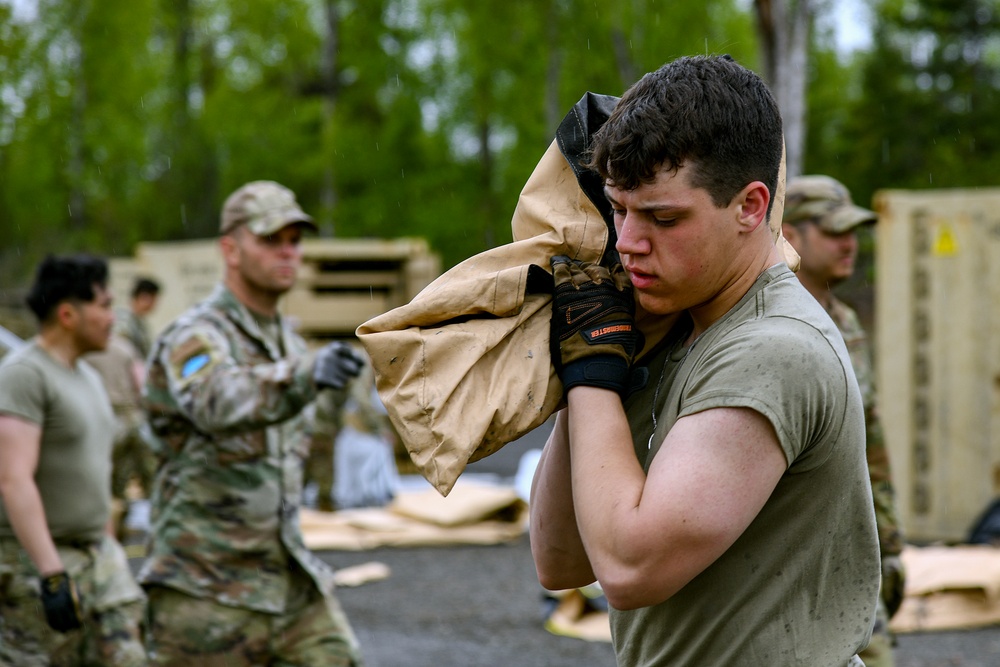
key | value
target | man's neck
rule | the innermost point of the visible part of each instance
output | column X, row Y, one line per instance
column 262, row 303
column 59, row 345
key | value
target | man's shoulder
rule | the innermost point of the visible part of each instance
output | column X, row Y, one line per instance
column 205, row 317
column 26, row 359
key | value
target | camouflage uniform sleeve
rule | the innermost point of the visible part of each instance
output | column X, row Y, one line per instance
column 218, row 394
column 890, row 536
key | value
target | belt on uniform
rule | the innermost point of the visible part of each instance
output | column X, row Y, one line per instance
column 82, row 544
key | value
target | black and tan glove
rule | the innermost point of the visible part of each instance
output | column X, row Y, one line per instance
column 61, row 602
column 593, row 334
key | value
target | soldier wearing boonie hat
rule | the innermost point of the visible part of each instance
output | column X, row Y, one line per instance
column 229, row 392
column 825, row 202
column 264, row 207
column 819, row 221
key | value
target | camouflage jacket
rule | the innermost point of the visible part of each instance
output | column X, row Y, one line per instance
column 886, row 516
column 227, row 419
column 132, row 327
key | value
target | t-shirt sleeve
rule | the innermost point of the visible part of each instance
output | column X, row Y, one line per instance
column 789, row 372
column 22, row 393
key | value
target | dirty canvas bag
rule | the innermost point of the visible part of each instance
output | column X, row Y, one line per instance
column 464, row 368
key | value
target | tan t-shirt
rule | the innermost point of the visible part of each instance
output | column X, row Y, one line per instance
column 799, row 586
column 117, row 367
column 74, row 464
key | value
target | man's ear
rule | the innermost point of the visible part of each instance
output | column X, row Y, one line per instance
column 754, row 199
column 66, row 315
column 228, row 246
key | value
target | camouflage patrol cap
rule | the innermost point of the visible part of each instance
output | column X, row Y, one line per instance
column 264, row 207
column 824, row 201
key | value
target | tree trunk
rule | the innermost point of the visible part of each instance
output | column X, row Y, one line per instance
column 784, row 35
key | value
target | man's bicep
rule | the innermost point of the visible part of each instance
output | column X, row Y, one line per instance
column 20, row 442
column 711, row 477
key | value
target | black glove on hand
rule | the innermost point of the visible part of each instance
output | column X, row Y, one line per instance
column 593, row 335
column 61, row 602
column 336, row 364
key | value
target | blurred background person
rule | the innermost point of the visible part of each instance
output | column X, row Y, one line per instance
column 122, row 366
column 228, row 393
column 67, row 595
column 821, row 221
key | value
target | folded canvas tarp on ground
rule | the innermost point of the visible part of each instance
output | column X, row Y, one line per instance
column 464, row 368
column 472, row 514
column 949, row 588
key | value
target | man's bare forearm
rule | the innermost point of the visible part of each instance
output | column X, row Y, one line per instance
column 26, row 514
column 560, row 559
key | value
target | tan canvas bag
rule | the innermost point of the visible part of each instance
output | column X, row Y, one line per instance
column 464, row 368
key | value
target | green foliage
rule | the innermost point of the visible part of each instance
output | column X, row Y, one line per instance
column 130, row 120
column 924, row 114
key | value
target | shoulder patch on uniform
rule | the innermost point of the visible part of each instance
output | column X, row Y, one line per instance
column 191, row 357
column 194, row 364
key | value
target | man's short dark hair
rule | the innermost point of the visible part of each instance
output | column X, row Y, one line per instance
column 68, row 278
column 708, row 111
column 145, row 285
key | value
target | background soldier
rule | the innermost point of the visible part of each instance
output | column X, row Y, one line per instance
column 229, row 578
column 820, row 221
column 131, row 322
column 122, row 366
column 55, row 461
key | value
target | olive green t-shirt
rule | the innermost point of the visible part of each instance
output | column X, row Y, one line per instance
column 74, row 463
column 799, row 586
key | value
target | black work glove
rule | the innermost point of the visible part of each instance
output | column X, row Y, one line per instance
column 893, row 583
column 336, row 364
column 61, row 602
column 593, row 334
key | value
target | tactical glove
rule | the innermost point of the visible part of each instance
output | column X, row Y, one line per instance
column 336, row 364
column 593, row 334
column 61, row 602
column 893, row 583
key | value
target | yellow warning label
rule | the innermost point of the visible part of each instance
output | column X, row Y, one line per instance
column 944, row 243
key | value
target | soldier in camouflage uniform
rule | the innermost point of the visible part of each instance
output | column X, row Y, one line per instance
column 67, row 596
column 820, row 222
column 130, row 322
column 228, row 392
column 122, row 367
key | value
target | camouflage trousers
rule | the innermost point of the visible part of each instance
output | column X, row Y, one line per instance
column 131, row 456
column 879, row 650
column 318, row 468
column 186, row 631
column 113, row 608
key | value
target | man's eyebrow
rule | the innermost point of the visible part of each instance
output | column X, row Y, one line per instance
column 649, row 207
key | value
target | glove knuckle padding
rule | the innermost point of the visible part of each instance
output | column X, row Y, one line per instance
column 592, row 324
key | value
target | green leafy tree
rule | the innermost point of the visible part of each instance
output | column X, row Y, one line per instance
column 930, row 97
